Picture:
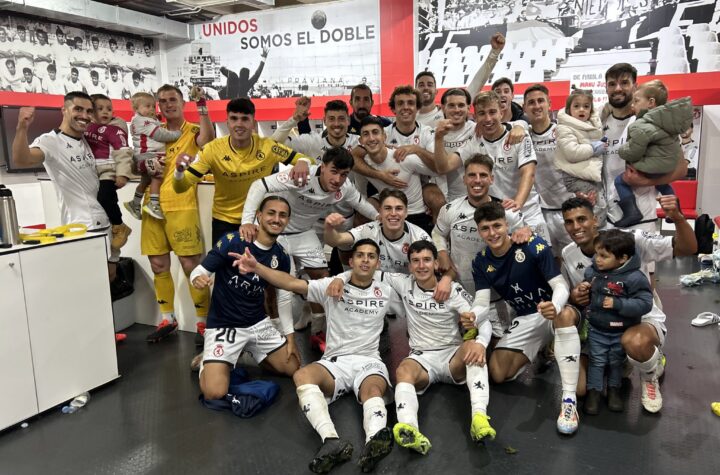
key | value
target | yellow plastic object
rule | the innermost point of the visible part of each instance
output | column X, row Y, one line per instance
column 46, row 236
column 715, row 408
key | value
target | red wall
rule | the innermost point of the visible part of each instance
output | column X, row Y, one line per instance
column 397, row 34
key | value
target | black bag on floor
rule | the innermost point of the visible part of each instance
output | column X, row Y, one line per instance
column 704, row 229
column 124, row 283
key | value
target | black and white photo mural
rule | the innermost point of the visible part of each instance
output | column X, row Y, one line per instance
column 552, row 40
column 54, row 58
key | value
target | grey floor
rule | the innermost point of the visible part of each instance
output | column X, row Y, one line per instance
column 150, row 421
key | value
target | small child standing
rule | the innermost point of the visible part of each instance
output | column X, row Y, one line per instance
column 108, row 140
column 619, row 296
column 580, row 146
column 149, row 139
column 653, row 144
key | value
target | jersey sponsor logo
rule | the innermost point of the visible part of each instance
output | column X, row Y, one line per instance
column 283, row 152
column 377, row 292
column 218, row 351
column 260, row 155
column 274, row 262
column 519, row 256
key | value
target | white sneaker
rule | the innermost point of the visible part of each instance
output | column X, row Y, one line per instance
column 567, row 422
column 153, row 210
column 134, row 209
column 651, row 398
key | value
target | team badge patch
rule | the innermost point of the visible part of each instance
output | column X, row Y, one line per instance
column 260, row 155
column 506, row 147
column 377, row 292
column 102, row 130
column 338, row 195
column 519, row 256
column 283, row 177
column 218, row 351
column 274, row 262
column 405, row 248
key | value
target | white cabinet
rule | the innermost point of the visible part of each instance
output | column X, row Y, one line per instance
column 17, row 399
column 57, row 334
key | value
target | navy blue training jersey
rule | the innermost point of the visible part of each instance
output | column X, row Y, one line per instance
column 239, row 300
column 520, row 276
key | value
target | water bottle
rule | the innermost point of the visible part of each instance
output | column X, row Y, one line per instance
column 9, row 230
column 76, row 403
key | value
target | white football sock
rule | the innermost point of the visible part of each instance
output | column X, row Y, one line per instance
column 477, row 383
column 647, row 368
column 374, row 416
column 567, row 355
column 406, row 404
column 315, row 408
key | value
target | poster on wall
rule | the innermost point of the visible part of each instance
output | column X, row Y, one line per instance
column 322, row 49
column 554, row 40
column 48, row 57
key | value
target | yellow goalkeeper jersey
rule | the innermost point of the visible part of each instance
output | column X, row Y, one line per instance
column 234, row 171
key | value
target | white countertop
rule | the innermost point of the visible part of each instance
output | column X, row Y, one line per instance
column 25, row 247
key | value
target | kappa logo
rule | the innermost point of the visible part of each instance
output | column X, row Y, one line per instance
column 311, row 191
column 580, row 266
column 394, row 141
column 226, row 158
column 378, row 414
column 539, row 248
column 160, row 302
column 67, row 145
column 306, row 408
column 479, row 385
column 401, row 406
column 147, row 122
column 462, row 216
column 490, row 268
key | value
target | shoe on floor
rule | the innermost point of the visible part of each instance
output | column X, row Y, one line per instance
column 411, row 438
column 317, row 342
column 120, row 233
column 651, row 398
column 376, row 449
column 154, row 210
column 135, row 209
column 614, row 400
column 200, row 334
column 332, row 452
column 567, row 422
column 120, row 337
column 164, row 329
column 704, row 319
column 480, row 429
column 196, row 362
column 591, row 407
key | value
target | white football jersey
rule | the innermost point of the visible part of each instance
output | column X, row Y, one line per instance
column 432, row 325
column 393, row 254
column 456, row 225
column 355, row 320
column 508, row 161
column 650, row 247
column 430, row 119
column 308, row 203
column 452, row 183
column 71, row 165
column 409, row 170
column 616, row 132
column 316, row 144
column 422, row 135
column 548, row 179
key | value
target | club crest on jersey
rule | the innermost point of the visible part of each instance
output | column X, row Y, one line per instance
column 519, row 256
column 554, row 133
column 377, row 292
column 283, row 177
column 218, row 351
column 260, row 155
column 338, row 195
column 405, row 248
column 506, row 146
column 102, row 129
column 274, row 262
column 416, row 139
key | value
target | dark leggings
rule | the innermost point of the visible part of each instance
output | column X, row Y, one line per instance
column 108, row 199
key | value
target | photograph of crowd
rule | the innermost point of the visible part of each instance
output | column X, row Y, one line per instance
column 56, row 58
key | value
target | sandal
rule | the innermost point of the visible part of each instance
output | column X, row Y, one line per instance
column 704, row 319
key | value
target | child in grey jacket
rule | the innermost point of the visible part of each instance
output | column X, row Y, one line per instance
column 619, row 296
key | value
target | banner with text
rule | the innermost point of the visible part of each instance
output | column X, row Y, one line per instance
column 307, row 50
